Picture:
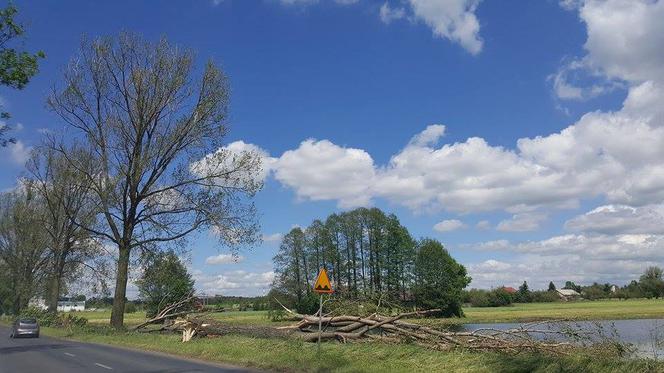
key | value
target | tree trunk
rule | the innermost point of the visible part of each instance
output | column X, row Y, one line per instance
column 55, row 283
column 53, row 293
column 117, row 314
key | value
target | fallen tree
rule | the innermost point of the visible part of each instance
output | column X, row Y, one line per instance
column 532, row 337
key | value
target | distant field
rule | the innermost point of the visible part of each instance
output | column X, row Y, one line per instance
column 581, row 310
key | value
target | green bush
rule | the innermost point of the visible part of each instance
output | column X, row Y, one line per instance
column 46, row 318
column 130, row 307
column 543, row 296
column 488, row 298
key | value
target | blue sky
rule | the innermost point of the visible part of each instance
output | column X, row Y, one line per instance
column 526, row 136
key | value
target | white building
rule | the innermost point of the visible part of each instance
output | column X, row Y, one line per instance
column 568, row 294
column 68, row 306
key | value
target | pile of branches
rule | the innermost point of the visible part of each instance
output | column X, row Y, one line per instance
column 344, row 328
column 533, row 337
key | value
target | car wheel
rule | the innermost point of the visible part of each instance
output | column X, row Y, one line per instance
column 37, row 335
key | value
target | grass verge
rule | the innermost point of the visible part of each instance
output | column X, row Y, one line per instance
column 296, row 356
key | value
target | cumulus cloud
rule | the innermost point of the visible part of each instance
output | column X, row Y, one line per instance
column 238, row 282
column 483, row 224
column 321, row 170
column 522, row 222
column 451, row 19
column 620, row 219
column 389, row 14
column 594, row 258
column 449, row 225
column 275, row 237
column 18, row 153
column 224, row 259
column 237, row 164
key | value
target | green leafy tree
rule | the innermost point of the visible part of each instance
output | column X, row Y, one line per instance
column 164, row 281
column 523, row 294
column 651, row 283
column 16, row 67
column 552, row 286
column 439, row 279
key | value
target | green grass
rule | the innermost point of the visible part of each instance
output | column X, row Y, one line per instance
column 296, row 356
column 580, row 310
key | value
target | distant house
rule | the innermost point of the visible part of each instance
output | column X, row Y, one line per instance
column 63, row 305
column 568, row 294
column 509, row 289
column 614, row 288
column 68, row 306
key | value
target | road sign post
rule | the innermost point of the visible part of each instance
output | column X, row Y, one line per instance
column 321, row 286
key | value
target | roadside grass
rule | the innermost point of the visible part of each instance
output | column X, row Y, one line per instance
column 296, row 356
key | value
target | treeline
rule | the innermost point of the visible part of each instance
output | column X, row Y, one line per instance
column 649, row 285
column 368, row 254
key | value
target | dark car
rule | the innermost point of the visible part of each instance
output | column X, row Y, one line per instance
column 25, row 327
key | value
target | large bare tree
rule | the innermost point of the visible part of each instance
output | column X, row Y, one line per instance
column 153, row 142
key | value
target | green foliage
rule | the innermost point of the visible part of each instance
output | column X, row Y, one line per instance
column 164, row 281
column 552, row 286
column 439, row 279
column 523, row 295
column 572, row 286
column 367, row 253
column 53, row 319
column 130, row 307
column 16, row 67
column 542, row 296
column 488, row 298
column 651, row 283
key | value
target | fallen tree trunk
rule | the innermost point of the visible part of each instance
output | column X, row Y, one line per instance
column 375, row 327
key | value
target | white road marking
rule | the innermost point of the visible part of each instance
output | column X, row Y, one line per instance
column 68, row 354
column 103, row 366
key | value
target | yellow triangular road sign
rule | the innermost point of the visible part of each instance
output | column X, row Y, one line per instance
column 322, row 284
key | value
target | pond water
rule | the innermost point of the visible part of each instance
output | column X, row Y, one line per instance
column 646, row 335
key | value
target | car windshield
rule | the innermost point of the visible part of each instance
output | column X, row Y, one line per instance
column 28, row 321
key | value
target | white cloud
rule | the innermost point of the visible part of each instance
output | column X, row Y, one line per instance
column 617, row 259
column 523, row 222
column 625, row 38
column 275, row 237
column 238, row 164
column 389, row 14
column 449, row 225
column 18, row 153
column 483, row 224
column 234, row 282
column 224, row 259
column 620, row 219
column 577, row 70
column 321, row 170
column 451, row 19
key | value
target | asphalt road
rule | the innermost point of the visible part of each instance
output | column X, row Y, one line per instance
column 51, row 355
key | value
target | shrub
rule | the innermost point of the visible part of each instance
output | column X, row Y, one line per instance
column 46, row 318
column 544, row 296
column 130, row 307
